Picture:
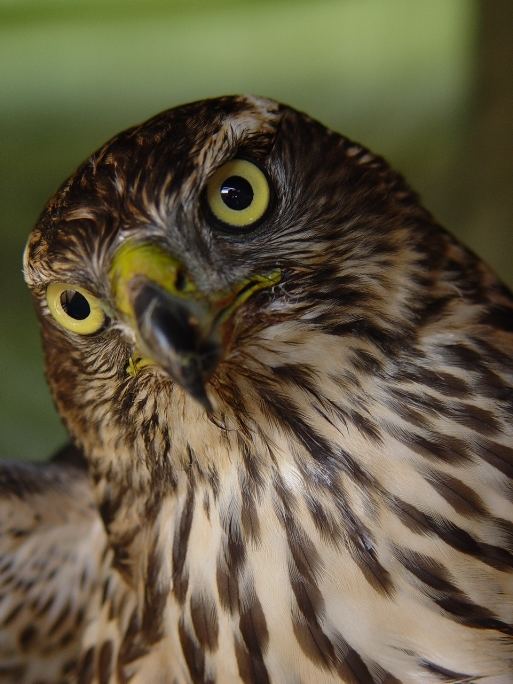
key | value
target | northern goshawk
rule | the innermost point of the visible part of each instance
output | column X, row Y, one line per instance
column 293, row 394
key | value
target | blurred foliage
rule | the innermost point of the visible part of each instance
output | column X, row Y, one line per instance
column 396, row 75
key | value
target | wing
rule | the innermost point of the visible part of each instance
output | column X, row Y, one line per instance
column 52, row 543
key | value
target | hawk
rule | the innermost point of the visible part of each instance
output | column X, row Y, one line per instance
column 290, row 395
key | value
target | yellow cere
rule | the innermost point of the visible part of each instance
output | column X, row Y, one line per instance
column 239, row 218
column 89, row 324
column 152, row 262
column 137, row 363
column 247, row 289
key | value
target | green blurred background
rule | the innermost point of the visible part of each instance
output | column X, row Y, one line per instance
column 424, row 83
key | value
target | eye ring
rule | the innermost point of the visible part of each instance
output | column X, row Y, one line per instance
column 75, row 308
column 238, row 194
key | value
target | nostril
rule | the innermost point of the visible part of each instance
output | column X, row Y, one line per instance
column 181, row 280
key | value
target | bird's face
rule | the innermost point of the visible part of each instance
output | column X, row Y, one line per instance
column 207, row 260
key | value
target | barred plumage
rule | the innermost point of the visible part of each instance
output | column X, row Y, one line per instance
column 316, row 483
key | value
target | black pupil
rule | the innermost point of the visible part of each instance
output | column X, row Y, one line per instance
column 75, row 305
column 236, row 193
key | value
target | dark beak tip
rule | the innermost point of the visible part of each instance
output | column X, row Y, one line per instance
column 205, row 403
column 198, row 392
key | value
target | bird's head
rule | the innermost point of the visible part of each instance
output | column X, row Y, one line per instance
column 215, row 266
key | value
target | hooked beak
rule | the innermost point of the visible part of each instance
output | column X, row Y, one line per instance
column 176, row 326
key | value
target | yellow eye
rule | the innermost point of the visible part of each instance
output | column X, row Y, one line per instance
column 238, row 193
column 75, row 308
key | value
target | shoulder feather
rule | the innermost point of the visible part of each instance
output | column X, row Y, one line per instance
column 52, row 546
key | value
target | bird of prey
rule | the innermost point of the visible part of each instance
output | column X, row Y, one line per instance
column 289, row 393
